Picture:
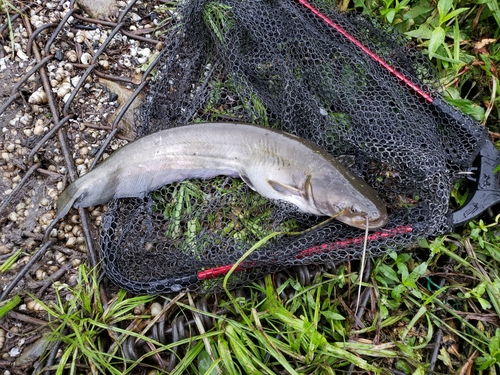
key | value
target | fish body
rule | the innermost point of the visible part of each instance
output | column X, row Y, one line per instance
column 275, row 164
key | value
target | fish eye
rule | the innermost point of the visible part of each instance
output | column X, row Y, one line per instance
column 354, row 210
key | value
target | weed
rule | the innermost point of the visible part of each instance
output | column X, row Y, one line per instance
column 218, row 17
column 6, row 6
column 5, row 266
column 8, row 305
column 80, row 320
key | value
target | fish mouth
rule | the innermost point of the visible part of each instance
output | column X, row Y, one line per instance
column 360, row 222
column 377, row 223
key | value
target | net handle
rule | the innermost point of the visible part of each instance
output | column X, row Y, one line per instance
column 367, row 51
column 309, row 252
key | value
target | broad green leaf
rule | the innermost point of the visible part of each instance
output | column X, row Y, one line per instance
column 397, row 291
column 494, row 344
column 417, row 272
column 437, row 38
column 484, row 303
column 423, row 243
column 332, row 315
column 419, row 371
column 388, row 273
column 390, row 15
column 403, row 270
column 444, row 6
column 403, row 4
column 403, row 258
column 359, row 3
column 419, row 10
column 469, row 107
column 484, row 362
column 423, row 32
column 384, row 312
column 454, row 13
column 205, row 363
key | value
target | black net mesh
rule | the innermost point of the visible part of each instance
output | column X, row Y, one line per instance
column 275, row 63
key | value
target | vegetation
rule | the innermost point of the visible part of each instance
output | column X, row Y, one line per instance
column 461, row 39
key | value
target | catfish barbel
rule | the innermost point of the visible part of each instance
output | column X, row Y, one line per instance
column 275, row 164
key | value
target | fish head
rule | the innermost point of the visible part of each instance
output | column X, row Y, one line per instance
column 350, row 201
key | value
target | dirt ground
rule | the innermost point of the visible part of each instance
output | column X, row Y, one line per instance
column 28, row 203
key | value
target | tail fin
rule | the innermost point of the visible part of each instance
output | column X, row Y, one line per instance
column 66, row 201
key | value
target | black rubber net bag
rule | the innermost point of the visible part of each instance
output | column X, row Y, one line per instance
column 331, row 77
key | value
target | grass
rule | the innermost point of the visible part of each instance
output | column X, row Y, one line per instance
column 454, row 289
column 6, row 7
column 461, row 39
column 78, row 318
column 446, row 288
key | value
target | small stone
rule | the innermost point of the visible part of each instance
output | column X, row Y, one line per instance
column 40, row 274
column 86, row 58
column 71, row 242
column 156, row 308
column 34, row 306
column 75, row 80
column 38, row 130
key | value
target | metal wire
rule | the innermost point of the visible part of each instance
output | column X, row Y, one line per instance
column 35, row 34
column 20, row 275
column 9, row 198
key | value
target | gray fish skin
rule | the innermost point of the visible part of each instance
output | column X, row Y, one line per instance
column 275, row 164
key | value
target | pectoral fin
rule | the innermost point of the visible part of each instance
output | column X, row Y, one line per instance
column 304, row 192
column 247, row 181
column 284, row 188
column 307, row 192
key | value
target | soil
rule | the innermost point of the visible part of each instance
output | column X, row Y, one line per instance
column 28, row 204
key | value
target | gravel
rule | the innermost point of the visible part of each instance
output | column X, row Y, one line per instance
column 35, row 170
